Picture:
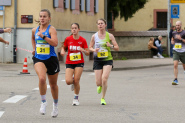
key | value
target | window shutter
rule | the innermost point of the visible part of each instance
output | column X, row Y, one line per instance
column 82, row 5
column 88, row 5
column 72, row 4
column 66, row 4
column 55, row 3
column 96, row 6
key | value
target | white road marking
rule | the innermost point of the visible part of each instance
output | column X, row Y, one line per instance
column 15, row 99
column 48, row 86
column 92, row 74
column 1, row 113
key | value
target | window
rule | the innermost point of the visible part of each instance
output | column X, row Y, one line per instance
column 90, row 7
column 110, row 21
column 162, row 20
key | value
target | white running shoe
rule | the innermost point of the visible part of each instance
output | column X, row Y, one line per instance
column 76, row 102
column 54, row 113
column 161, row 57
column 155, row 57
column 72, row 87
column 43, row 108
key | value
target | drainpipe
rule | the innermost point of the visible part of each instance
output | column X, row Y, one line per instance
column 15, row 32
column 105, row 11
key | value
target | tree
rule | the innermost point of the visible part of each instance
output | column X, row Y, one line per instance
column 124, row 8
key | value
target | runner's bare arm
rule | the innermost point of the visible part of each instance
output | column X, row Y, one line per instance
column 113, row 40
column 63, row 50
column 172, row 41
column 85, row 51
column 33, row 40
column 92, row 44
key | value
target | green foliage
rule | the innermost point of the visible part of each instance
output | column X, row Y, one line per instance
column 124, row 8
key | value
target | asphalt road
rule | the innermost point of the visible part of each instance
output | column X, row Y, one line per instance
column 140, row 95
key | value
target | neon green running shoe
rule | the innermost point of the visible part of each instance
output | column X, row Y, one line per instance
column 99, row 88
column 103, row 101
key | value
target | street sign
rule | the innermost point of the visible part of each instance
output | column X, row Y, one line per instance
column 177, row 1
column 174, row 11
column 1, row 7
column 5, row 2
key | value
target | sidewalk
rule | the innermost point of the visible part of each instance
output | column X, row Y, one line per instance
column 133, row 64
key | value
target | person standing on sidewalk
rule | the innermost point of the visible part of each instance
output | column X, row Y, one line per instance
column 76, row 45
column 103, row 61
column 8, row 30
column 178, row 40
column 44, row 39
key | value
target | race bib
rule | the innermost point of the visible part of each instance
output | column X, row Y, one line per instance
column 75, row 56
column 178, row 45
column 43, row 49
column 102, row 53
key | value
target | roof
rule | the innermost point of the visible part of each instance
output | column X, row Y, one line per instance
column 139, row 33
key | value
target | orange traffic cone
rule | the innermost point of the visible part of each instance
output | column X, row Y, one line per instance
column 25, row 67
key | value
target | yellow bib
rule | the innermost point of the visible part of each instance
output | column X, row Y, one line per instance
column 178, row 45
column 75, row 56
column 43, row 49
column 102, row 53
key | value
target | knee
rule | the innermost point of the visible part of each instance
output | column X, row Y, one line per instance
column 42, row 80
column 104, row 80
column 68, row 81
column 53, row 86
column 76, row 81
column 175, row 66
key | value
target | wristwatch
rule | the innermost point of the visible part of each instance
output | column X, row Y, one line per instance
column 44, row 37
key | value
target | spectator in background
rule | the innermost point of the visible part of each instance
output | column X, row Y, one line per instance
column 170, row 36
column 157, row 43
column 153, row 48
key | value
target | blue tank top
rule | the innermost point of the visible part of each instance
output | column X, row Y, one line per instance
column 43, row 49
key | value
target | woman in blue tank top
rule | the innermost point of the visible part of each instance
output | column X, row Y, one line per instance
column 44, row 39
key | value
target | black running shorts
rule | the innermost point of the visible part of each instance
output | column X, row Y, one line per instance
column 51, row 64
column 72, row 66
column 98, row 65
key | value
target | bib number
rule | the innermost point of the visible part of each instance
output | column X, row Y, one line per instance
column 178, row 45
column 75, row 56
column 43, row 49
column 102, row 54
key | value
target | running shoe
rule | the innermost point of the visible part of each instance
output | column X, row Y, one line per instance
column 103, row 101
column 54, row 113
column 76, row 102
column 175, row 82
column 99, row 88
column 43, row 108
column 72, row 87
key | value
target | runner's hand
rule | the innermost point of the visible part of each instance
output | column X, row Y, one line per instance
column 6, row 42
column 96, row 50
column 33, row 52
column 62, row 53
column 108, row 44
column 40, row 34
